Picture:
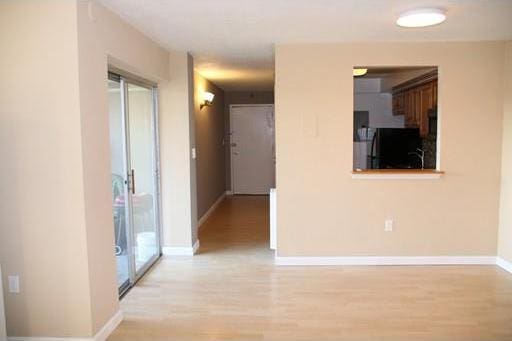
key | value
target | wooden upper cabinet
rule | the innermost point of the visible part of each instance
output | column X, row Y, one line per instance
column 434, row 92
column 399, row 104
column 414, row 99
column 410, row 108
column 426, row 103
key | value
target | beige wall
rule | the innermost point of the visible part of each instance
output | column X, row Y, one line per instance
column 104, row 38
column 241, row 97
column 178, row 169
column 210, row 134
column 322, row 211
column 42, row 220
column 505, row 232
column 57, row 226
column 127, row 49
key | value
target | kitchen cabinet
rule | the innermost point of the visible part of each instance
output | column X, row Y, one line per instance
column 414, row 99
column 434, row 92
column 399, row 104
column 426, row 103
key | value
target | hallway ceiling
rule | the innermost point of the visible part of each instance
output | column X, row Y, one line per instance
column 232, row 41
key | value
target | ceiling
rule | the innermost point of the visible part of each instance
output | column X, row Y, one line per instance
column 232, row 41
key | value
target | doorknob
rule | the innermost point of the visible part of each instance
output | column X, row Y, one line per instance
column 133, row 181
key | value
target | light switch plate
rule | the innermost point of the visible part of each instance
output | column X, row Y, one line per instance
column 193, row 153
column 388, row 225
column 14, row 284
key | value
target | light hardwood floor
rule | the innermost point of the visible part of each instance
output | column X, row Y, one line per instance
column 232, row 290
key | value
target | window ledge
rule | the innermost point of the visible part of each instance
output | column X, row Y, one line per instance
column 397, row 174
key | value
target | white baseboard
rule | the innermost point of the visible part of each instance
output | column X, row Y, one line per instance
column 3, row 329
column 102, row 335
column 212, row 209
column 504, row 264
column 109, row 327
column 30, row 338
column 230, row 192
column 400, row 260
column 181, row 250
column 273, row 218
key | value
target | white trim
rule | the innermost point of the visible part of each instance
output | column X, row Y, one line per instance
column 229, row 192
column 273, row 218
column 101, row 335
column 29, row 338
column 181, row 250
column 212, row 208
column 504, row 264
column 397, row 176
column 400, row 260
column 3, row 329
column 109, row 327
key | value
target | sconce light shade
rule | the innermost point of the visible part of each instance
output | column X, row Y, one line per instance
column 208, row 96
column 359, row 72
column 207, row 99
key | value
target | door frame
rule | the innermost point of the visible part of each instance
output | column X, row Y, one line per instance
column 124, row 80
column 231, row 106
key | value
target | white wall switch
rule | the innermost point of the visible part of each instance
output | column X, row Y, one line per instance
column 193, row 153
column 388, row 225
column 14, row 284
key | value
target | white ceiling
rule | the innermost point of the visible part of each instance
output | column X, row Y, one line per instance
column 232, row 40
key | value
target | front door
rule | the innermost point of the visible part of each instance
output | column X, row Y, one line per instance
column 252, row 149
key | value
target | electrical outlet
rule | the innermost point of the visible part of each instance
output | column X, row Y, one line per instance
column 388, row 225
column 14, row 284
column 193, row 153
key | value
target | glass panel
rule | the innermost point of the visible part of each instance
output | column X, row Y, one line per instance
column 143, row 184
column 118, row 165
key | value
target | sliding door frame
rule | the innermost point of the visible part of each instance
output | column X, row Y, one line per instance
column 135, row 275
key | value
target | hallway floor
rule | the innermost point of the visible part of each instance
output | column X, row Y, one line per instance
column 232, row 290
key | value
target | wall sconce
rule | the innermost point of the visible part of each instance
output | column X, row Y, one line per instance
column 207, row 99
column 357, row 72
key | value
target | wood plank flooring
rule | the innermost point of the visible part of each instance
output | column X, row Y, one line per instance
column 232, row 290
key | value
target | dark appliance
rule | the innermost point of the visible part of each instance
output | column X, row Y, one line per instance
column 393, row 148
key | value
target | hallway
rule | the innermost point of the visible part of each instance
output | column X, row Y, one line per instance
column 231, row 290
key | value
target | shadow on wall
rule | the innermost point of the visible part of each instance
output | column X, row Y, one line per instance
column 210, row 141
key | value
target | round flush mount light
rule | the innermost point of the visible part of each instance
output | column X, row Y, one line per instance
column 421, row 17
column 359, row 72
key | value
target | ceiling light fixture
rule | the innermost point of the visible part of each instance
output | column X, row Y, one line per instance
column 421, row 17
column 359, row 72
column 207, row 99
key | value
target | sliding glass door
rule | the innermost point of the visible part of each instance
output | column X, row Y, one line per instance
column 119, row 188
column 143, row 185
column 133, row 146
